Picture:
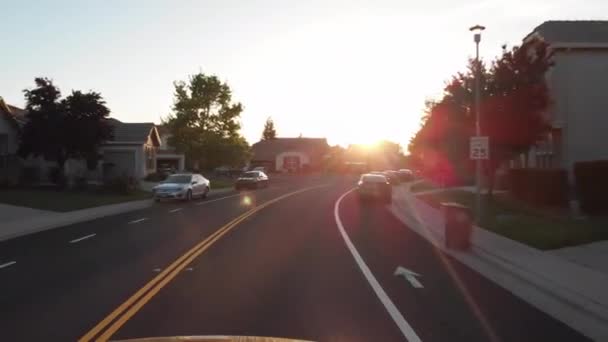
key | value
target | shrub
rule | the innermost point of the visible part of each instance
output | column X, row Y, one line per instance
column 122, row 185
column 57, row 177
column 545, row 187
column 80, row 184
column 30, row 175
column 591, row 178
column 156, row 177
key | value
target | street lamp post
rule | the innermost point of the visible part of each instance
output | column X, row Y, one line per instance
column 477, row 29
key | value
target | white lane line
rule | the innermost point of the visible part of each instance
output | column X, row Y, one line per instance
column 402, row 324
column 10, row 263
column 175, row 210
column 138, row 220
column 217, row 199
column 83, row 238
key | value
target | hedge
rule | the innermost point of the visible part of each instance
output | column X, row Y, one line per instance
column 544, row 187
column 591, row 179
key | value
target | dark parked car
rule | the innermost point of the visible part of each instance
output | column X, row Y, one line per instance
column 406, row 175
column 392, row 179
column 375, row 187
column 251, row 180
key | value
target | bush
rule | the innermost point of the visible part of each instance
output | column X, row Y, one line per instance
column 122, row 185
column 544, row 187
column 80, row 184
column 57, row 177
column 591, row 178
column 156, row 177
column 30, row 175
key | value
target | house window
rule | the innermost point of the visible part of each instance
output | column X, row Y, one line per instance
column 149, row 157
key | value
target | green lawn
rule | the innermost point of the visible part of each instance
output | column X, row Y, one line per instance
column 541, row 229
column 423, row 186
column 63, row 201
column 219, row 183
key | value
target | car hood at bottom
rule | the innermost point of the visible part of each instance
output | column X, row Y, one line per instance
column 217, row 338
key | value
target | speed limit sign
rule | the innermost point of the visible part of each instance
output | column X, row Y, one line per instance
column 479, row 148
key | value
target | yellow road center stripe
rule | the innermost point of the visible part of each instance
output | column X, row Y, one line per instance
column 144, row 294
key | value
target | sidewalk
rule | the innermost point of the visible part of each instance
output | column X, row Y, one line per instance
column 45, row 220
column 569, row 292
column 50, row 220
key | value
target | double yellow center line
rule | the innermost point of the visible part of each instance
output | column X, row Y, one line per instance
column 131, row 306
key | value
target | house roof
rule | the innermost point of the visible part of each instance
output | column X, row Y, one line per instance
column 133, row 132
column 268, row 149
column 577, row 31
column 13, row 114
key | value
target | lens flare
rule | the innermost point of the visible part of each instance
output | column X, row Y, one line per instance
column 247, row 200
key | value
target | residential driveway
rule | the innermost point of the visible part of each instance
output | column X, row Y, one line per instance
column 9, row 213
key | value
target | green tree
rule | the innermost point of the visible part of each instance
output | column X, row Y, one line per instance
column 269, row 132
column 205, row 124
column 56, row 129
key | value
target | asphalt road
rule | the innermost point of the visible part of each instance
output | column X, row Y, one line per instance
column 271, row 262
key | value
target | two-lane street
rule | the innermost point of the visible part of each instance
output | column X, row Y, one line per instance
column 302, row 259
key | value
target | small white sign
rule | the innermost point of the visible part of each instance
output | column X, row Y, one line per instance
column 479, row 148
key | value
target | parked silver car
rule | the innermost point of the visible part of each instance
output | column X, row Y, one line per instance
column 182, row 186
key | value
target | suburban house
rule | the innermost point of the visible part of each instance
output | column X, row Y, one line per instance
column 136, row 150
column 578, row 89
column 132, row 151
column 166, row 156
column 289, row 154
column 11, row 120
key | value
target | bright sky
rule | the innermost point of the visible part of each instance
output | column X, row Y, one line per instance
column 351, row 71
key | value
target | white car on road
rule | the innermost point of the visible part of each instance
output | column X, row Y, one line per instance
column 183, row 186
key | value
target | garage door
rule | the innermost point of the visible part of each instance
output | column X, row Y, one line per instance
column 119, row 163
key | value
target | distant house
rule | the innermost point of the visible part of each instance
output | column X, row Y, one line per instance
column 290, row 154
column 166, row 156
column 132, row 151
column 11, row 120
column 578, row 85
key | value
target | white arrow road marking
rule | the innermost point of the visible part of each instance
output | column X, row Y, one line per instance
column 175, row 210
column 409, row 276
column 138, row 220
column 10, row 263
column 402, row 324
column 83, row 238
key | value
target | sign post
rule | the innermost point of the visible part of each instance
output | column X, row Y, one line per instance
column 479, row 149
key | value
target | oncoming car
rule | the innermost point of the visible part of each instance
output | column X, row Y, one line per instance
column 376, row 187
column 185, row 186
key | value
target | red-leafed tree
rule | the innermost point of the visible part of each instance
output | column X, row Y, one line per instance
column 514, row 98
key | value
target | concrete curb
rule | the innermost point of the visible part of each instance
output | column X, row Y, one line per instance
column 568, row 292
